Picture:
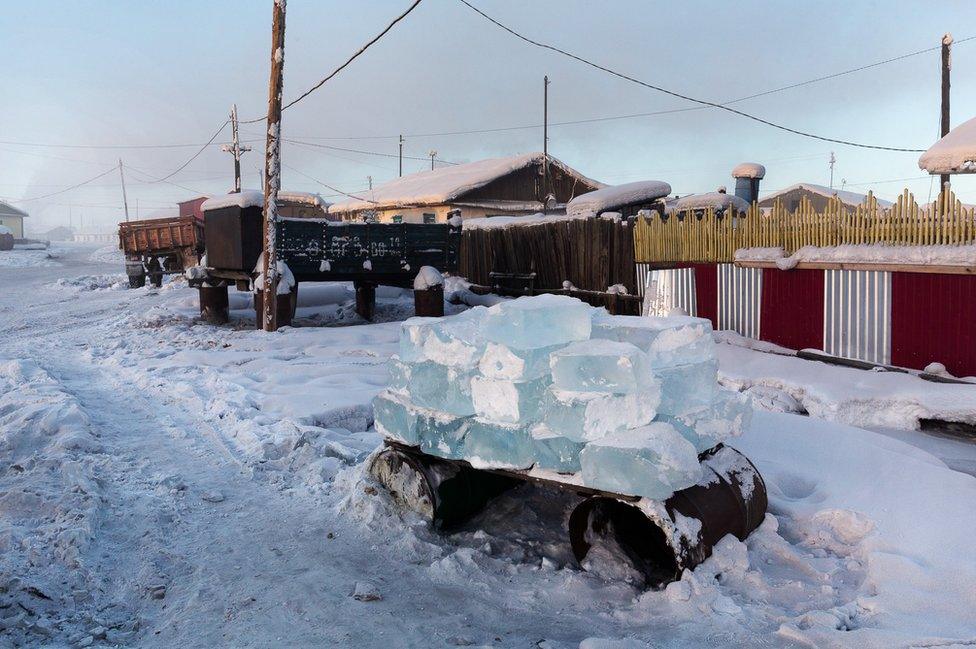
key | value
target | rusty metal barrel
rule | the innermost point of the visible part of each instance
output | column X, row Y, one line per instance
column 442, row 492
column 661, row 539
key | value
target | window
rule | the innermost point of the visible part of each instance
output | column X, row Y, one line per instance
column 430, row 218
column 398, row 218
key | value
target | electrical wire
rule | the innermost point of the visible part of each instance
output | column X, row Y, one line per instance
column 326, row 185
column 66, row 189
column 374, row 153
column 709, row 104
column 192, row 157
column 339, row 69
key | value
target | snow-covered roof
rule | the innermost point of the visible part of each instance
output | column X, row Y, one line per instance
column 6, row 209
column 617, row 196
column 953, row 154
column 714, row 200
column 255, row 198
column 748, row 170
column 848, row 198
column 444, row 185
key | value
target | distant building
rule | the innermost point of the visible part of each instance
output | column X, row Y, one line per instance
column 60, row 233
column 512, row 186
column 819, row 196
column 13, row 219
column 627, row 199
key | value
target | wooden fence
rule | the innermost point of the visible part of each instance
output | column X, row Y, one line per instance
column 706, row 237
column 592, row 254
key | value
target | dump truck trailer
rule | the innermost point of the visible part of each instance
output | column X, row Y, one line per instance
column 157, row 247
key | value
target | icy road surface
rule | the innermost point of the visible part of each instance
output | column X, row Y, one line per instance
column 165, row 483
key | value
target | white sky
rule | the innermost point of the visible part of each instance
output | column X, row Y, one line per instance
column 119, row 72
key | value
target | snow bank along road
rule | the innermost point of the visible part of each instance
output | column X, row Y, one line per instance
column 165, row 483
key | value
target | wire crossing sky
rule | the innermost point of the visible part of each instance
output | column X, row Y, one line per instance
column 152, row 83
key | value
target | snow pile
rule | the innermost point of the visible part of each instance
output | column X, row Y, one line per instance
column 749, row 170
column 81, row 283
column 446, row 184
column 612, row 198
column 715, row 200
column 428, row 277
column 21, row 258
column 108, row 255
column 961, row 255
column 5, row 230
column 843, row 394
column 51, row 502
column 286, row 280
column 955, row 153
column 550, row 384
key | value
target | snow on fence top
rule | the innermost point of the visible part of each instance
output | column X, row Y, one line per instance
column 749, row 170
column 255, row 198
column 953, row 154
column 933, row 255
column 617, row 196
column 847, row 198
column 444, row 185
column 712, row 200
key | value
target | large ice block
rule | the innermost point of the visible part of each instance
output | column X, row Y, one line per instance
column 727, row 416
column 489, row 444
column 511, row 402
column 431, row 385
column 455, row 341
column 600, row 366
column 586, row 416
column 653, row 461
column 395, row 418
column 686, row 388
column 540, row 321
column 513, row 364
column 554, row 452
column 442, row 434
column 668, row 341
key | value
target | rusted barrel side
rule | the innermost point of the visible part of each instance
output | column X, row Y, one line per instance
column 444, row 493
column 663, row 539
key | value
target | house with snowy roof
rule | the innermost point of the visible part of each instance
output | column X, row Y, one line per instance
column 818, row 196
column 12, row 219
column 627, row 199
column 513, row 186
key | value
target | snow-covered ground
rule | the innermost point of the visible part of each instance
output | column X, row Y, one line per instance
column 167, row 483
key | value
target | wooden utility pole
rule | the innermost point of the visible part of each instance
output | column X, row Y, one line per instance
column 401, row 155
column 545, row 142
column 946, row 68
column 272, row 175
column 125, row 201
column 236, row 149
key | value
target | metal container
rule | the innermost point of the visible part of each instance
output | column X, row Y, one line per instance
column 663, row 539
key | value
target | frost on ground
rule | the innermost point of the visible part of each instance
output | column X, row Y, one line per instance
column 168, row 483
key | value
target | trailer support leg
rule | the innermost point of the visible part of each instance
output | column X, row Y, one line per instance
column 285, row 306
column 429, row 302
column 214, row 304
column 366, row 300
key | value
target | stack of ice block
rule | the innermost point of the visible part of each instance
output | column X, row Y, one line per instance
column 550, row 384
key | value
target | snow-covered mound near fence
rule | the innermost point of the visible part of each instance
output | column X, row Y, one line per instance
column 954, row 153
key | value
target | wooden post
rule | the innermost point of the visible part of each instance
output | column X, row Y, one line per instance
column 365, row 300
column 545, row 143
column 125, row 201
column 214, row 304
column 946, row 67
column 401, row 156
column 429, row 302
column 272, row 176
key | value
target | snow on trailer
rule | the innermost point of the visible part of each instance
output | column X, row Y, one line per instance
column 625, row 411
column 317, row 250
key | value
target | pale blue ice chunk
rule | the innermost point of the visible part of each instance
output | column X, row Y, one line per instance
column 442, row 434
column 434, row 386
column 686, row 388
column 727, row 416
column 513, row 364
column 490, row 444
column 554, row 452
column 540, row 321
column 653, row 461
column 586, row 416
column 511, row 402
column 395, row 418
column 600, row 366
column 455, row 341
column 668, row 341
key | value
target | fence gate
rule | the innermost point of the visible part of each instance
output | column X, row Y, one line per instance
column 857, row 314
column 667, row 289
column 739, row 299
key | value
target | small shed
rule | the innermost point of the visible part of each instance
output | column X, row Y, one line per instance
column 819, row 196
column 627, row 199
column 12, row 219
column 513, row 186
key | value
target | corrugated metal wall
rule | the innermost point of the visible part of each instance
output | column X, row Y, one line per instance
column 857, row 314
column 792, row 312
column 739, row 298
column 667, row 289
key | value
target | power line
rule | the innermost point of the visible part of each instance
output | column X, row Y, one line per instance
column 703, row 102
column 192, row 157
column 326, row 185
column 66, row 189
column 339, row 69
column 361, row 151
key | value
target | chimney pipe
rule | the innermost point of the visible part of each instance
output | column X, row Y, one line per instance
column 747, row 176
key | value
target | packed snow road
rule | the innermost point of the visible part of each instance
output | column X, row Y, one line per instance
column 166, row 483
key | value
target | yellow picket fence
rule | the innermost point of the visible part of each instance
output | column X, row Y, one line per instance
column 706, row 237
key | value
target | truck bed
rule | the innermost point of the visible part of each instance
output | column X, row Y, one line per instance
column 159, row 235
